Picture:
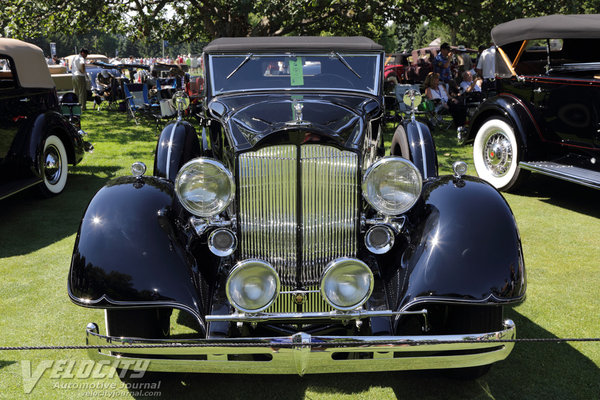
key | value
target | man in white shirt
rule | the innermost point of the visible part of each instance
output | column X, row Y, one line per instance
column 486, row 67
column 79, row 74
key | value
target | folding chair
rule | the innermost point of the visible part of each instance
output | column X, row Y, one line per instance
column 138, row 101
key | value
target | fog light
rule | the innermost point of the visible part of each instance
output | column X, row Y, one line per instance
column 346, row 283
column 252, row 286
column 222, row 242
column 379, row 239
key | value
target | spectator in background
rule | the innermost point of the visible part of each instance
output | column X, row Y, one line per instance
column 469, row 84
column 78, row 75
column 436, row 92
column 441, row 63
column 464, row 59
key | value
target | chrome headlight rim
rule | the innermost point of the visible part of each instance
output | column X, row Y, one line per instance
column 238, row 267
column 382, row 162
column 222, row 168
column 336, row 264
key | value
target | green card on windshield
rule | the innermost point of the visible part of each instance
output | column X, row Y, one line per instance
column 296, row 74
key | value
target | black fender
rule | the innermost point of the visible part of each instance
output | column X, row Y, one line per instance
column 127, row 254
column 177, row 144
column 465, row 247
column 51, row 122
column 515, row 111
column 413, row 141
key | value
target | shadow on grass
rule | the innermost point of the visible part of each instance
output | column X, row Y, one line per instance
column 4, row 363
column 532, row 371
column 562, row 194
column 30, row 222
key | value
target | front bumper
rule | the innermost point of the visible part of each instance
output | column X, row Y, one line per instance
column 305, row 354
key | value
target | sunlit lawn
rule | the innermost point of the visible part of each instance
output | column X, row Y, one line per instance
column 560, row 229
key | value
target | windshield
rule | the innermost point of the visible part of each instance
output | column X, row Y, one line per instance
column 354, row 72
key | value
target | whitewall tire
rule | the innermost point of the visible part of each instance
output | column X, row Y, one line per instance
column 496, row 154
column 54, row 166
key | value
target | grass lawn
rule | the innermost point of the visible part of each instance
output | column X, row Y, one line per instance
column 560, row 229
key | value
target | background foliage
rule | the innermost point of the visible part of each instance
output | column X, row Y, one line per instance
column 137, row 27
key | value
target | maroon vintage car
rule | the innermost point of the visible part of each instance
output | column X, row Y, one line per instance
column 545, row 117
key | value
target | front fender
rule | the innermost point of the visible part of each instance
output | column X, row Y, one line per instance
column 512, row 108
column 466, row 247
column 178, row 143
column 52, row 122
column 127, row 253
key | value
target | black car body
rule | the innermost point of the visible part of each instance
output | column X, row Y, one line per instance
column 545, row 117
column 39, row 136
column 258, row 230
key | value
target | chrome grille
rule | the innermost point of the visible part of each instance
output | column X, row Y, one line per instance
column 268, row 198
column 329, row 208
column 267, row 204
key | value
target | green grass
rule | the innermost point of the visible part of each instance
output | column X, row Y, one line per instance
column 560, row 230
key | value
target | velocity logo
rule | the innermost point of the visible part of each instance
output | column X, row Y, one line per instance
column 85, row 369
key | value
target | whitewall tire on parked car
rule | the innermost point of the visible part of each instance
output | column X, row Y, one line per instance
column 54, row 166
column 496, row 154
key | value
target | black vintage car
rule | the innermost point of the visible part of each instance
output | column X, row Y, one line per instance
column 546, row 115
column 289, row 239
column 39, row 136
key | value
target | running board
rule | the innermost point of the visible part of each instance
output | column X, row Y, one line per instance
column 565, row 172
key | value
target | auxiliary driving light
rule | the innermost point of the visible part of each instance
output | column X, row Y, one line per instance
column 346, row 283
column 222, row 242
column 379, row 239
column 252, row 286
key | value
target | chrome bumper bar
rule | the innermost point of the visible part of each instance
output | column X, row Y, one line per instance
column 333, row 315
column 305, row 354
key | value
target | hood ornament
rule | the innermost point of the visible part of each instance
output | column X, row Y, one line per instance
column 297, row 108
column 298, row 111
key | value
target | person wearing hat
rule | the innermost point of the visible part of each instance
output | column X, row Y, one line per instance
column 464, row 59
column 79, row 74
column 441, row 63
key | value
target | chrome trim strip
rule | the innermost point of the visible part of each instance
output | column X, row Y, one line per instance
column 305, row 354
column 333, row 315
column 423, row 153
column 564, row 174
column 170, row 148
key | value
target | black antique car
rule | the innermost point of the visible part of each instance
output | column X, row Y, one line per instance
column 39, row 136
column 289, row 239
column 546, row 115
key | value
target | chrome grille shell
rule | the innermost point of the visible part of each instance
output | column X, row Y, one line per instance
column 298, row 209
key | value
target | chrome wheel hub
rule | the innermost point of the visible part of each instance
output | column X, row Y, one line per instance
column 52, row 165
column 498, row 154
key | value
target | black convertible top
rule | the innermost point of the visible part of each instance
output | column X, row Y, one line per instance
column 291, row 44
column 581, row 26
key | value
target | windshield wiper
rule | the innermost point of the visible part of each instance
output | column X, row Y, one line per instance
column 339, row 57
column 240, row 66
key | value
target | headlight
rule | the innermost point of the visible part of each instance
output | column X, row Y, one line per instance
column 204, row 187
column 252, row 286
column 392, row 185
column 347, row 283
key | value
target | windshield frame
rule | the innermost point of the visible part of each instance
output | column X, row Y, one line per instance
column 339, row 56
